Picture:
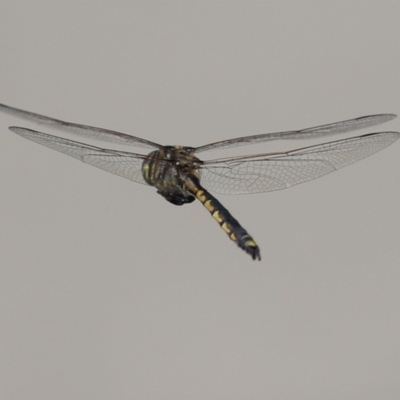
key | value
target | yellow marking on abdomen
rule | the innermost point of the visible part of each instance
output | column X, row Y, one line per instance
column 251, row 243
column 200, row 196
column 209, row 206
column 226, row 228
column 217, row 217
column 233, row 237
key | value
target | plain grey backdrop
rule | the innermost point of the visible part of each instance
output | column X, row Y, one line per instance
column 109, row 292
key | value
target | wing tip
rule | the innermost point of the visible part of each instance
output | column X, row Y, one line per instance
column 390, row 116
column 18, row 129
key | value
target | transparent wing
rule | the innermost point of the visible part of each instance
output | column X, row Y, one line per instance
column 81, row 130
column 309, row 133
column 275, row 171
column 125, row 164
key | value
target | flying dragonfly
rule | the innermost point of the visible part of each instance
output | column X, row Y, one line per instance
column 181, row 177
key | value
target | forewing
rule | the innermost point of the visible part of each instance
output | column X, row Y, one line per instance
column 125, row 164
column 269, row 172
column 309, row 133
column 81, row 130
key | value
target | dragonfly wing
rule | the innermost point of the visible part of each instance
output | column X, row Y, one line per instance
column 269, row 172
column 81, row 130
column 125, row 164
column 309, row 133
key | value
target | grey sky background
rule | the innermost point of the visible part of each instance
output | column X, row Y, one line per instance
column 108, row 291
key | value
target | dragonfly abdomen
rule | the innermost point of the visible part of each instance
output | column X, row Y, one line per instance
column 226, row 221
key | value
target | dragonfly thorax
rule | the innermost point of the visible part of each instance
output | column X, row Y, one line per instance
column 168, row 169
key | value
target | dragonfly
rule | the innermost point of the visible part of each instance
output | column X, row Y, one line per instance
column 181, row 177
